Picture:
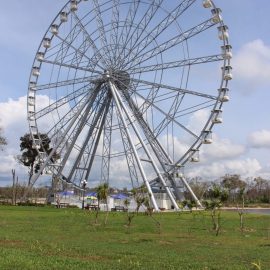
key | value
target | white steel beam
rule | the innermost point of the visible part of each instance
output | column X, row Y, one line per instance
column 114, row 94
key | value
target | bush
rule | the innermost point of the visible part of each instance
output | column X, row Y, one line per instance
column 30, row 204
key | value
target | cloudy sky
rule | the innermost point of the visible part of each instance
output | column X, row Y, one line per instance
column 241, row 144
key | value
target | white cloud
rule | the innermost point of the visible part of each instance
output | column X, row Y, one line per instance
column 198, row 120
column 246, row 168
column 222, row 149
column 260, row 139
column 223, row 157
column 13, row 120
column 252, row 65
column 14, row 124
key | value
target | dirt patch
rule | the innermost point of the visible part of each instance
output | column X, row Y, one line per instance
column 162, row 242
column 12, row 243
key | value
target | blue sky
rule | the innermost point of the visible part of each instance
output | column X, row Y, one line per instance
column 242, row 141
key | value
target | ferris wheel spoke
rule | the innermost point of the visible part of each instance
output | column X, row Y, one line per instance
column 115, row 25
column 168, row 116
column 69, row 45
column 70, row 66
column 179, row 90
column 81, row 53
column 97, row 119
column 91, row 136
column 172, row 112
column 87, row 79
column 66, row 43
column 140, row 58
column 89, row 39
column 98, row 136
column 70, row 114
column 59, row 103
column 141, row 44
column 144, row 22
column 77, row 131
column 176, row 64
column 106, row 149
column 101, row 29
column 126, row 28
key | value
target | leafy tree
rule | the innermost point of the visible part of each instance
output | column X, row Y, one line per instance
column 29, row 156
column 233, row 184
column 3, row 140
column 217, row 196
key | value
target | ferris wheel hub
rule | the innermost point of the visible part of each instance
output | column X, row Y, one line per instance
column 121, row 78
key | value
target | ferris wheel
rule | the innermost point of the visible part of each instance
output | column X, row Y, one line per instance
column 128, row 91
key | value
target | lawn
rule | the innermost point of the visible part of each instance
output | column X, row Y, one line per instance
column 49, row 238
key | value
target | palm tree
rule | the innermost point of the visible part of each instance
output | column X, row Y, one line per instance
column 102, row 195
column 130, row 215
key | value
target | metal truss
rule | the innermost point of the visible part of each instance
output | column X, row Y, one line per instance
column 106, row 148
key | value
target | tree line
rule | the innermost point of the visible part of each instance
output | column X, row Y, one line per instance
column 255, row 190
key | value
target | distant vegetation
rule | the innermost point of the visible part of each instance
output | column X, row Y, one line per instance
column 252, row 191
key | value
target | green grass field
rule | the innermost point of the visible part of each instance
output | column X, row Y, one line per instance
column 48, row 238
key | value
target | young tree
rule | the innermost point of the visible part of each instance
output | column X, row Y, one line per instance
column 130, row 215
column 240, row 208
column 140, row 196
column 102, row 196
column 217, row 196
column 189, row 204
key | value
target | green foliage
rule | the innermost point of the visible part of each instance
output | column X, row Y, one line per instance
column 102, row 192
column 3, row 140
column 233, row 182
column 29, row 156
column 188, row 204
column 217, row 196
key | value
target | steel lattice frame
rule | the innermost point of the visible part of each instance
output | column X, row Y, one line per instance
column 117, row 86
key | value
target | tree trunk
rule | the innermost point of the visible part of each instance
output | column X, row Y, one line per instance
column 13, row 186
column 97, row 212
column 218, row 224
column 16, row 190
column 107, row 213
column 213, row 216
